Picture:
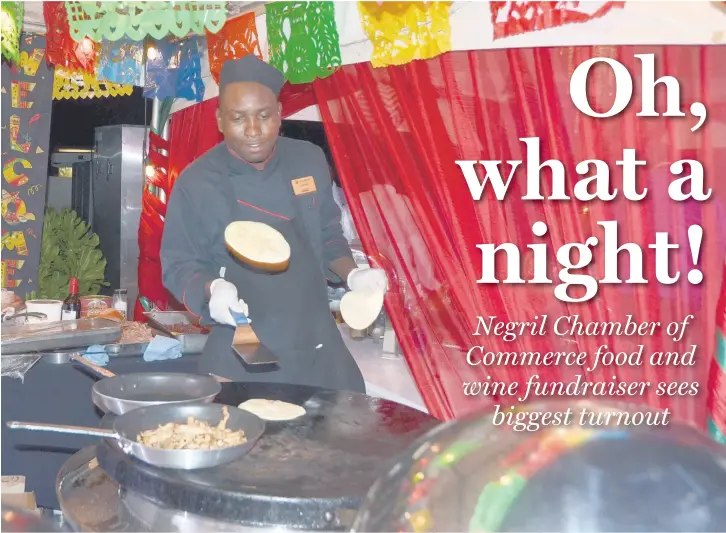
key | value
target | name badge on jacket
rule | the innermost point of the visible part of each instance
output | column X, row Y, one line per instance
column 303, row 185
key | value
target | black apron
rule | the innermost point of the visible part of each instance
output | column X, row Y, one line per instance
column 290, row 314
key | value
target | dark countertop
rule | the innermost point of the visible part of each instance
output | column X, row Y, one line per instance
column 58, row 394
column 312, row 471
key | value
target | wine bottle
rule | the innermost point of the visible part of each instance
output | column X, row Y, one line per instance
column 72, row 304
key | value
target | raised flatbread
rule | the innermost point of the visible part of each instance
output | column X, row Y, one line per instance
column 273, row 410
column 360, row 309
column 258, row 244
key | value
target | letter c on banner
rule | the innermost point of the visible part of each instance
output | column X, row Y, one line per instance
column 12, row 177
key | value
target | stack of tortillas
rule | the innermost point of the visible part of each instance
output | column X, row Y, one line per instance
column 360, row 309
column 258, row 244
column 273, row 410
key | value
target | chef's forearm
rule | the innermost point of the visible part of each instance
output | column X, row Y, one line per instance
column 342, row 266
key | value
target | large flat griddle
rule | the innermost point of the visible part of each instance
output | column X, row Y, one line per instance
column 318, row 466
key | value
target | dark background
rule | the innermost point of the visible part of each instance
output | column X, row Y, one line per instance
column 73, row 121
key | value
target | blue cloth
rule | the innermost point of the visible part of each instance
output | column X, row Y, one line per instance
column 162, row 348
column 97, row 355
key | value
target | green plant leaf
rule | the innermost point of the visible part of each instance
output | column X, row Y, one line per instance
column 69, row 249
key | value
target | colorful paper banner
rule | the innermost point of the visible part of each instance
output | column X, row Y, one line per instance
column 122, row 62
column 77, row 84
column 174, row 70
column 10, row 28
column 26, row 102
column 62, row 50
column 303, row 39
column 236, row 39
column 137, row 20
column 512, row 18
column 404, row 31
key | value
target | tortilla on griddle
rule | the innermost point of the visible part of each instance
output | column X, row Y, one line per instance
column 273, row 410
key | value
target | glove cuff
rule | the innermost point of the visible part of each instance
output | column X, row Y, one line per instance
column 350, row 276
column 212, row 285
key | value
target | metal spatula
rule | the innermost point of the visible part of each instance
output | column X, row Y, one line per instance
column 246, row 344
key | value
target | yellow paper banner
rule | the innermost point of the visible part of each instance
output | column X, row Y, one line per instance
column 69, row 84
column 404, row 31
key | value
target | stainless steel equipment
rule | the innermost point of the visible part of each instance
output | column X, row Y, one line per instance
column 40, row 337
column 69, row 181
column 128, row 427
column 122, row 394
column 62, row 357
column 191, row 343
column 307, row 474
column 116, row 188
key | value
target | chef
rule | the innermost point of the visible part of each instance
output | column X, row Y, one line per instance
column 255, row 174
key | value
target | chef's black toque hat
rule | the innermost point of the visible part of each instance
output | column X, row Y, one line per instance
column 250, row 68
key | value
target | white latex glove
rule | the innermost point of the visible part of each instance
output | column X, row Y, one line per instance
column 223, row 297
column 368, row 279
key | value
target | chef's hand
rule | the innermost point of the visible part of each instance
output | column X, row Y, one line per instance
column 368, row 279
column 223, row 296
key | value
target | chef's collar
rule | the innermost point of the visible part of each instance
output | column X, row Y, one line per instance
column 258, row 166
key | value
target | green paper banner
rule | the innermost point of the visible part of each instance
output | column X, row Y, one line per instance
column 137, row 20
column 11, row 26
column 303, row 39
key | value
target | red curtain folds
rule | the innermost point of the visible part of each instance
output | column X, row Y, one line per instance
column 395, row 134
column 151, row 227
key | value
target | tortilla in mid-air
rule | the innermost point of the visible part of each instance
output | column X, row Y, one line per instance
column 273, row 410
column 361, row 309
column 258, row 244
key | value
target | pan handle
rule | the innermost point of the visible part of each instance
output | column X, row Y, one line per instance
column 98, row 370
column 76, row 430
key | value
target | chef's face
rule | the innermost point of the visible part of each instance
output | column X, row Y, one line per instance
column 249, row 118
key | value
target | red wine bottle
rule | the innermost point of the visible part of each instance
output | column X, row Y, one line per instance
column 72, row 304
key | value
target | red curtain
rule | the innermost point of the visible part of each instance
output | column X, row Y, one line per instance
column 151, row 227
column 395, row 134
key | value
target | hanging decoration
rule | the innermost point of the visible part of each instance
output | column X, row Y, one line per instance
column 513, row 18
column 122, row 62
column 137, row 20
column 62, row 50
column 75, row 84
column 10, row 28
column 404, row 31
column 26, row 90
column 303, row 39
column 174, row 70
column 236, row 39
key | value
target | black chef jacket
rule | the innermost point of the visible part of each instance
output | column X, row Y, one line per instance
column 289, row 311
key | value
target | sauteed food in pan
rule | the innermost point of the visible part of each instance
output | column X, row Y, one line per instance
column 194, row 435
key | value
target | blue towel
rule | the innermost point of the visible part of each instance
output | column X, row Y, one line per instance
column 97, row 355
column 162, row 348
